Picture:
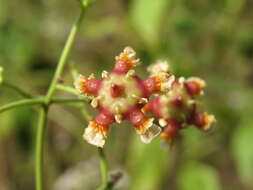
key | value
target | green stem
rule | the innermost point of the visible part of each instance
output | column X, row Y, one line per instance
column 40, row 148
column 103, row 170
column 65, row 55
column 34, row 101
column 19, row 103
column 17, row 89
column 68, row 89
column 59, row 69
column 67, row 100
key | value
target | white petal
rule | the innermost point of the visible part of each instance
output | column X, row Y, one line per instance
column 105, row 74
column 130, row 73
column 94, row 137
column 150, row 133
column 118, row 118
column 166, row 85
column 129, row 51
column 162, row 122
column 159, row 67
column 95, row 101
column 181, row 80
column 79, row 83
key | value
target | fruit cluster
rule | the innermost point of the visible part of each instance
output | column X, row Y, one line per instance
column 122, row 95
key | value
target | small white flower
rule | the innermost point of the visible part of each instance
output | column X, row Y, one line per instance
column 148, row 131
column 158, row 68
column 128, row 54
column 94, row 135
column 79, row 83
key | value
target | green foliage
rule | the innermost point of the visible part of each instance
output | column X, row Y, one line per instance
column 243, row 151
column 147, row 17
column 198, row 176
column 22, row 53
column 148, row 164
column 1, row 74
column 7, row 124
column 234, row 6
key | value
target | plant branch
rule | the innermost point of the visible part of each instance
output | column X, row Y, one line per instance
column 103, row 170
column 48, row 99
column 64, row 55
column 68, row 89
column 58, row 72
column 24, row 102
column 41, row 100
column 40, row 148
column 17, row 89
column 68, row 100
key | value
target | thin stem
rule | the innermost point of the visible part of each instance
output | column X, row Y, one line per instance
column 59, row 69
column 20, row 103
column 67, row 100
column 64, row 55
column 17, row 89
column 41, row 100
column 68, row 89
column 103, row 169
column 40, row 148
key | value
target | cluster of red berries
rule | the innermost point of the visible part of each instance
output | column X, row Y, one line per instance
column 122, row 95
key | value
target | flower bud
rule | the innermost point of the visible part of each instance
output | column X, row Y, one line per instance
column 203, row 121
column 194, row 86
column 171, row 129
column 125, row 61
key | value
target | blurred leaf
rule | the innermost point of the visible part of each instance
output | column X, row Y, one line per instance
column 192, row 148
column 23, row 118
column 243, row 151
column 1, row 74
column 148, row 163
column 147, row 15
column 234, row 6
column 6, row 123
column 196, row 176
column 93, row 30
column 18, row 47
column 2, row 11
column 184, row 23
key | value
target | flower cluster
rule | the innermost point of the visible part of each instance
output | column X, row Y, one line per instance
column 122, row 95
column 178, row 107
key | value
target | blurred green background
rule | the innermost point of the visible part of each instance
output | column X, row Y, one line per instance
column 212, row 39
